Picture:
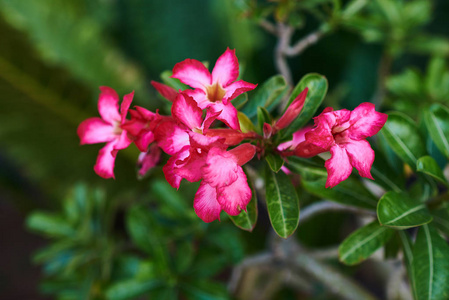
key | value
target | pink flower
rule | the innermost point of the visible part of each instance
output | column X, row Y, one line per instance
column 148, row 160
column 141, row 126
column 343, row 133
column 224, row 185
column 107, row 129
column 214, row 91
column 292, row 111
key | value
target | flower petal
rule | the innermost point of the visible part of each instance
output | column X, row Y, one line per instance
column 104, row 166
column 338, row 166
column 361, row 157
column 95, row 130
column 226, row 68
column 127, row 99
column 170, row 137
column 193, row 73
column 220, row 169
column 108, row 105
column 365, row 121
column 243, row 153
column 148, row 160
column 236, row 196
column 185, row 110
column 166, row 91
column 205, row 204
column 122, row 141
column 228, row 114
column 169, row 169
column 237, row 88
column 200, row 97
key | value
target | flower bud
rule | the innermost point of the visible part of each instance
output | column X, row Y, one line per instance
column 292, row 111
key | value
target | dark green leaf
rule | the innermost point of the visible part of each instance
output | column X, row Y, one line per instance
column 437, row 122
column 384, row 175
column 429, row 166
column 407, row 250
column 50, row 225
column 317, row 85
column 129, row 289
column 240, row 101
column 263, row 116
column 397, row 210
column 268, row 94
column 437, row 79
column 205, row 289
column 275, row 162
column 441, row 218
column 363, row 242
column 309, row 169
column 246, row 220
column 402, row 134
column 430, row 264
column 282, row 203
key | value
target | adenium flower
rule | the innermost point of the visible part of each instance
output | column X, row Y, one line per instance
column 107, row 129
column 344, row 134
column 214, row 91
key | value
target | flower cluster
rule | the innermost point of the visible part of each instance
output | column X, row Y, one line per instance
column 215, row 156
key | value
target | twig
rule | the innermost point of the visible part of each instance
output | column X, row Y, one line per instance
column 305, row 42
column 271, row 28
column 327, row 206
column 284, row 33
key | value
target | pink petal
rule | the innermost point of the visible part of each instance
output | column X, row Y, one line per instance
column 122, row 141
column 95, row 130
column 232, row 137
column 361, row 156
column 365, row 121
column 298, row 137
column 200, row 97
column 292, row 111
column 193, row 73
column 228, row 114
column 209, row 119
column 226, row 68
column 220, row 168
column 338, row 166
column 190, row 169
column 236, row 88
column 187, row 111
column 148, row 160
column 169, row 172
column 166, row 91
column 127, row 99
column 306, row 149
column 170, row 137
column 143, row 140
column 104, row 166
column 243, row 153
column 205, row 204
column 235, row 197
column 108, row 105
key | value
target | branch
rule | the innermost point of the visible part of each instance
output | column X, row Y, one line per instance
column 284, row 33
column 268, row 26
column 304, row 43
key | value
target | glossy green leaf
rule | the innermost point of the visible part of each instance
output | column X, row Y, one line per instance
column 430, row 265
column 437, row 122
column 49, row 224
column 247, row 220
column 437, row 79
column 402, row 134
column 397, row 210
column 263, row 116
column 441, row 218
column 407, row 250
column 309, row 169
column 384, row 175
column 429, row 166
column 282, row 203
column 317, row 85
column 129, row 289
column 349, row 192
column 275, row 162
column 240, row 101
column 268, row 94
column 245, row 123
column 363, row 242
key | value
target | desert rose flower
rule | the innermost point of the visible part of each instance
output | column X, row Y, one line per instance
column 214, row 91
column 107, row 129
column 344, row 134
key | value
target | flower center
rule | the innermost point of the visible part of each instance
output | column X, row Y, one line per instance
column 215, row 92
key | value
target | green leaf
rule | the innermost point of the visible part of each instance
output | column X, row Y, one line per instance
column 407, row 250
column 172, row 82
column 349, row 192
column 247, row 220
column 49, row 224
column 309, row 169
column 430, row 264
column 267, row 95
column 402, row 134
column 384, row 175
column 397, row 210
column 317, row 85
column 275, row 162
column 245, row 123
column 437, row 79
column 429, row 166
column 437, row 122
column 205, row 289
column 263, row 116
column 282, row 203
column 363, row 242
column 240, row 101
column 441, row 218
column 129, row 289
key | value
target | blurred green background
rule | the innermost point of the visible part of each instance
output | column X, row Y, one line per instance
column 54, row 54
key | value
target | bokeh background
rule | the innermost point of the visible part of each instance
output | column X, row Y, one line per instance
column 54, row 54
